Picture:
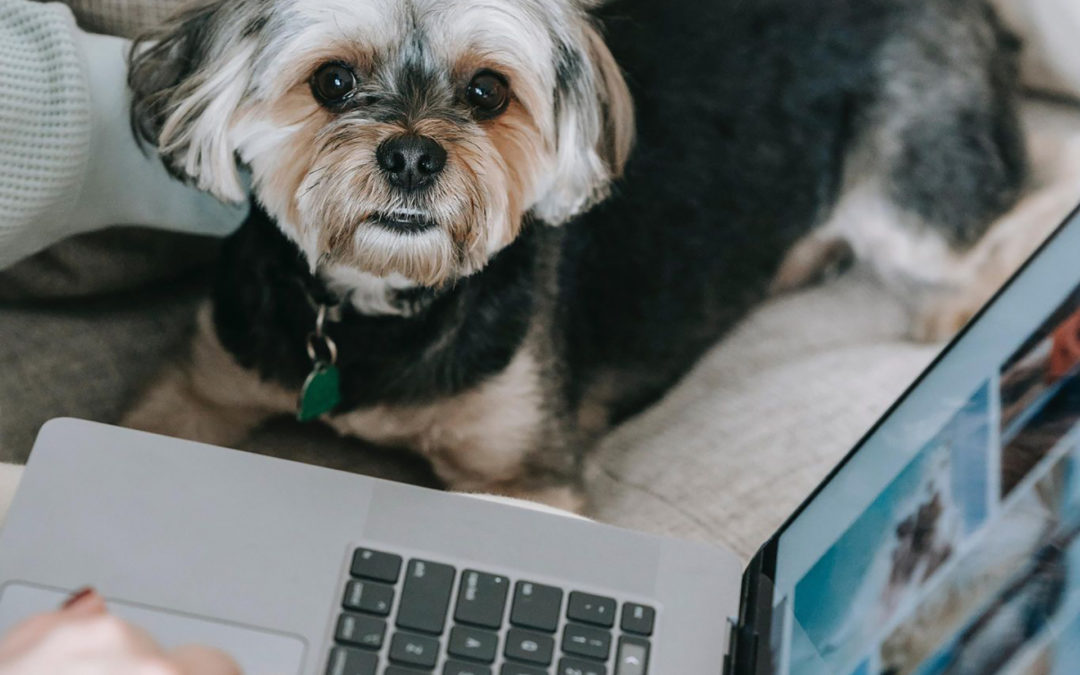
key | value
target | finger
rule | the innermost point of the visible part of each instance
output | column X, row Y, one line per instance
column 81, row 605
column 195, row 660
column 86, row 602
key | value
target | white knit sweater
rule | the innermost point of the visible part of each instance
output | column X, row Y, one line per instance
column 68, row 161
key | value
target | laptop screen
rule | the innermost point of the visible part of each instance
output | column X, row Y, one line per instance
column 950, row 541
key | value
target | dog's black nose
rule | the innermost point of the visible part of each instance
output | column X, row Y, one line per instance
column 411, row 162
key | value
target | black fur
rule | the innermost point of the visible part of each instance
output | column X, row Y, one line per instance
column 266, row 302
column 747, row 115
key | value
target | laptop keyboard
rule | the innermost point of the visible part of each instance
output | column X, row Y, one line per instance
column 409, row 618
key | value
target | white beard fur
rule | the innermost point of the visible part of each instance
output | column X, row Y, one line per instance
column 368, row 294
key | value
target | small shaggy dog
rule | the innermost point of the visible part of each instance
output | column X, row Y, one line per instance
column 457, row 245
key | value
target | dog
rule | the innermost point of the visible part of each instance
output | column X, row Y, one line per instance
column 924, row 532
column 992, row 602
column 490, row 230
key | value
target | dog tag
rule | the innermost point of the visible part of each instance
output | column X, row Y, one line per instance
column 321, row 392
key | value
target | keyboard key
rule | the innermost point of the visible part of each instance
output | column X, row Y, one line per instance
column 481, row 599
column 414, row 650
column 637, row 619
column 460, row 668
column 345, row 661
column 368, row 564
column 524, row 645
column 577, row 667
column 633, row 657
column 585, row 641
column 425, row 598
column 470, row 643
column 594, row 609
column 369, row 597
column 398, row 670
column 521, row 669
column 357, row 630
column 536, row 606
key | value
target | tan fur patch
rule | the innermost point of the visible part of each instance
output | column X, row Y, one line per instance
column 475, row 440
column 210, row 398
column 521, row 148
column 806, row 261
column 620, row 127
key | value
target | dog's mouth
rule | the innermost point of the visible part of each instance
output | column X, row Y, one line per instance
column 403, row 222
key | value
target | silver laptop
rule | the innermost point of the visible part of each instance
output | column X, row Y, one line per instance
column 947, row 542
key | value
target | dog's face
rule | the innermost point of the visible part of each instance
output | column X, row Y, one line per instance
column 405, row 137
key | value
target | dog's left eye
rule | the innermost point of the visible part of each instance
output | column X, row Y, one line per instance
column 333, row 84
column 488, row 93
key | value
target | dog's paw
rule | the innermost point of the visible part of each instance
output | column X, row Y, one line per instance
column 812, row 260
column 941, row 317
column 562, row 497
column 173, row 406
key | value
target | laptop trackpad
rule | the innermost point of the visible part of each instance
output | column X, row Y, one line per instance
column 258, row 652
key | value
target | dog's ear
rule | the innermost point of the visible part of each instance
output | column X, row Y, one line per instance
column 187, row 80
column 594, row 119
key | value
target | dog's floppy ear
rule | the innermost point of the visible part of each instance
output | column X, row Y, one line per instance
column 594, row 119
column 187, row 80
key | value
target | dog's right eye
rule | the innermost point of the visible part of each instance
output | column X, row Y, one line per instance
column 488, row 93
column 333, row 84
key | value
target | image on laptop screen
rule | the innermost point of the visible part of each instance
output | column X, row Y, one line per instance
column 962, row 550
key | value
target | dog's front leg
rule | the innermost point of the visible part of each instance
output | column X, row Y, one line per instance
column 207, row 396
column 501, row 437
column 507, row 438
column 562, row 488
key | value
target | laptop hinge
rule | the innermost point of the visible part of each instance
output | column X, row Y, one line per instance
column 747, row 632
column 741, row 658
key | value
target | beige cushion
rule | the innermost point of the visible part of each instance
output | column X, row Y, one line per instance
column 9, row 480
column 738, row 445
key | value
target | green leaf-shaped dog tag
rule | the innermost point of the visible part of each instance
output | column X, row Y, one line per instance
column 321, row 392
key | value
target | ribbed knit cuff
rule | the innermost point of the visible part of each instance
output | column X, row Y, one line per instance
column 69, row 162
column 44, row 126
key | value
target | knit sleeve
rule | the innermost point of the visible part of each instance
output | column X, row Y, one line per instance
column 45, row 125
column 69, row 162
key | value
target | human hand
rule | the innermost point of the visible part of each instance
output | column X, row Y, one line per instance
column 83, row 638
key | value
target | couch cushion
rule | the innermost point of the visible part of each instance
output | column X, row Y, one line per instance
column 111, row 261
column 730, row 453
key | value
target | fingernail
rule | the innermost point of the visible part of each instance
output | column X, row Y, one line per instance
column 76, row 597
